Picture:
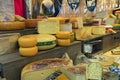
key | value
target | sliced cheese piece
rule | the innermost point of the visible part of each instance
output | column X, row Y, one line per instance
column 75, row 73
column 45, row 41
column 32, row 51
column 48, row 26
column 27, row 41
column 98, row 30
column 94, row 71
column 63, row 35
column 62, row 77
column 63, row 42
column 12, row 25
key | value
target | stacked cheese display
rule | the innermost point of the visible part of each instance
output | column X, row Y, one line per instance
column 28, row 45
column 11, row 22
column 64, row 38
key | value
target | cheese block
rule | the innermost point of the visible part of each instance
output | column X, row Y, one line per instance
column 75, row 72
column 27, row 41
column 98, row 30
column 94, row 71
column 63, row 42
column 48, row 26
column 41, row 69
column 46, row 41
column 31, row 23
column 8, row 42
column 63, row 35
column 66, row 27
column 31, row 51
column 19, row 18
column 12, row 25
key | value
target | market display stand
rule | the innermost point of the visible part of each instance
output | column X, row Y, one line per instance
column 13, row 63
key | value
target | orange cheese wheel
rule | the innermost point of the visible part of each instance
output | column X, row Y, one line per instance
column 32, row 51
column 63, row 42
column 12, row 25
column 27, row 41
column 63, row 35
column 31, row 23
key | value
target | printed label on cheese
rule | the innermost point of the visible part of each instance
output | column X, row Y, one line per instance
column 94, row 71
column 46, row 43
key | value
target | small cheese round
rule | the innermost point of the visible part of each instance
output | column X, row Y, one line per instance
column 63, row 42
column 31, row 51
column 27, row 41
column 12, row 25
column 63, row 35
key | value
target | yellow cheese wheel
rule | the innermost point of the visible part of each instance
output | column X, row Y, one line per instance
column 31, row 23
column 63, row 35
column 12, row 25
column 32, row 51
column 27, row 41
column 63, row 42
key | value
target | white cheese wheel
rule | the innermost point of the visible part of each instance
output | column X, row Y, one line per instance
column 45, row 41
column 32, row 51
column 12, row 25
column 63, row 42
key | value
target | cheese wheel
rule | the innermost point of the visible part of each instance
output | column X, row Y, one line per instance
column 32, row 51
column 63, row 35
column 27, row 41
column 12, row 25
column 45, row 41
column 63, row 42
column 31, row 23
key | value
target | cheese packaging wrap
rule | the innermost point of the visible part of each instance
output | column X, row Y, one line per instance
column 8, row 42
column 66, row 27
column 75, row 72
column 40, row 70
column 48, row 26
column 94, row 71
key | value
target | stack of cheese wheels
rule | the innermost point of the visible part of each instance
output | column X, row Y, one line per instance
column 27, row 45
column 64, row 38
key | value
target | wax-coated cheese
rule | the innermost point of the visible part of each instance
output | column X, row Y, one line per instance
column 32, row 51
column 63, row 35
column 27, row 41
column 48, row 26
column 45, row 41
column 63, row 42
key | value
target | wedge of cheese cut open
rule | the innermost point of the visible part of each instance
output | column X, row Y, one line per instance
column 40, row 70
column 17, row 25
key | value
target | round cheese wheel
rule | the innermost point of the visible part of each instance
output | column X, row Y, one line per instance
column 63, row 35
column 45, row 41
column 63, row 42
column 12, row 25
column 27, row 41
column 31, row 51
column 31, row 23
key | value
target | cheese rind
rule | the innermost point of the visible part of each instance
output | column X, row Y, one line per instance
column 63, row 42
column 63, row 35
